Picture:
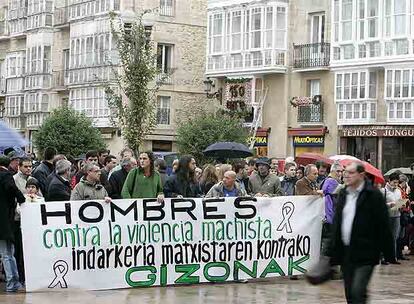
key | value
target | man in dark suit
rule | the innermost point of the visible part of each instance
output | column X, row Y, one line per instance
column 117, row 178
column 59, row 187
column 360, row 232
column 9, row 194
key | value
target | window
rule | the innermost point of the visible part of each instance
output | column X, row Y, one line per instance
column 217, row 33
column 346, row 20
column 269, row 28
column 164, row 58
column 163, row 110
column 15, row 64
column 281, row 28
column 236, row 31
column 13, row 106
column 399, row 93
column 355, row 97
column 167, row 7
column 400, row 17
column 317, row 28
column 247, row 36
column 372, row 18
column 90, row 101
column 336, row 21
column 256, row 28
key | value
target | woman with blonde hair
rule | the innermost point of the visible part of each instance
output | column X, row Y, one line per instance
column 208, row 178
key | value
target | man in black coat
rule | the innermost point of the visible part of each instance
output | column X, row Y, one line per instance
column 45, row 169
column 59, row 187
column 361, row 232
column 9, row 194
column 117, row 178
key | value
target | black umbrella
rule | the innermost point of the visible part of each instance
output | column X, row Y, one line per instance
column 227, row 150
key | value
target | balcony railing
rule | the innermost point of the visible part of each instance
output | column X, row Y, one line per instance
column 166, row 10
column 246, row 61
column 165, row 77
column 311, row 55
column 312, row 113
column 61, row 16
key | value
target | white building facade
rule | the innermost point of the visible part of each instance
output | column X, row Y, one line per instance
column 373, row 59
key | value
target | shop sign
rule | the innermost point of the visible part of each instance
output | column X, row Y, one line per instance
column 380, row 131
column 259, row 141
column 238, row 93
column 308, row 141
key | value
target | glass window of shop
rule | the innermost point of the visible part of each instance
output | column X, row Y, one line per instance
column 397, row 152
column 364, row 148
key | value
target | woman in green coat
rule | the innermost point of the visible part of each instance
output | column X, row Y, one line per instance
column 144, row 181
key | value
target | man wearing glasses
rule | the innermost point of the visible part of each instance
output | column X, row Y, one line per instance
column 361, row 232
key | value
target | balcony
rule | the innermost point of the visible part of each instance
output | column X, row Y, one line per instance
column 61, row 17
column 310, row 114
column 165, row 77
column 261, row 61
column 311, row 56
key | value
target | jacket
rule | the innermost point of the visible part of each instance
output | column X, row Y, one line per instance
column 137, row 185
column 305, row 187
column 85, row 190
column 41, row 173
column 329, row 187
column 288, row 185
column 174, row 186
column 116, row 182
column 9, row 193
column 59, row 189
column 218, row 190
column 370, row 234
column 269, row 185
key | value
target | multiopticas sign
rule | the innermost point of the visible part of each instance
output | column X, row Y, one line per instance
column 308, row 141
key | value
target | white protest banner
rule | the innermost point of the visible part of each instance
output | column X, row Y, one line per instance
column 132, row 243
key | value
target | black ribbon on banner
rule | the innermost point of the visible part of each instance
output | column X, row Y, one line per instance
column 287, row 212
column 60, row 268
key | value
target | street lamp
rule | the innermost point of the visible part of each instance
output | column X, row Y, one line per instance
column 210, row 85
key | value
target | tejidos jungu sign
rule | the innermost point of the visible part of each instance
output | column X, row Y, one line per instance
column 133, row 243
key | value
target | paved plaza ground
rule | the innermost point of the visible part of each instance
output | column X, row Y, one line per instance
column 390, row 285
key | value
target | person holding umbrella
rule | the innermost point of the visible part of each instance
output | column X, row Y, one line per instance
column 262, row 183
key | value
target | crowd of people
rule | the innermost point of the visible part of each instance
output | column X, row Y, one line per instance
column 102, row 176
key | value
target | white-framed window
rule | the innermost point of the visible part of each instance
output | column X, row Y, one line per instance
column 15, row 64
column 36, row 102
column 13, row 106
column 163, row 110
column 399, row 95
column 91, row 101
column 164, row 58
column 86, row 51
column 247, row 36
column 38, row 59
column 317, row 28
column 236, row 30
column 85, row 8
column 356, row 96
column 167, row 7
column 371, row 28
column 217, row 32
column 356, row 85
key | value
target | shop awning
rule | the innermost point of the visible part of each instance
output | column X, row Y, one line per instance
column 321, row 131
column 263, row 131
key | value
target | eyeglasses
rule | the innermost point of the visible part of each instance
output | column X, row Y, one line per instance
column 349, row 172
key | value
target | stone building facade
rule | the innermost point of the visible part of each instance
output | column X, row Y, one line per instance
column 57, row 52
